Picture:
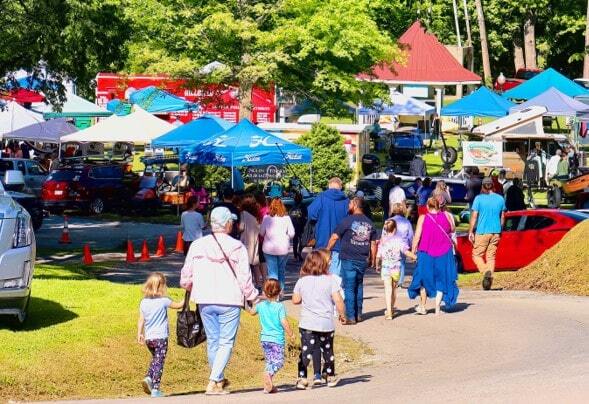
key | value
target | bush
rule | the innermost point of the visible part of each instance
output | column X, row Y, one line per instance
column 330, row 159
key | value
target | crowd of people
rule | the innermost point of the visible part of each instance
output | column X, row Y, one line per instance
column 241, row 265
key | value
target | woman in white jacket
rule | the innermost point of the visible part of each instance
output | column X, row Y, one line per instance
column 217, row 272
column 277, row 231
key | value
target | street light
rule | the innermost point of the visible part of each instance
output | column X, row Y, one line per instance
column 501, row 81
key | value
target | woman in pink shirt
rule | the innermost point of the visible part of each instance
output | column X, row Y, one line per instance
column 277, row 231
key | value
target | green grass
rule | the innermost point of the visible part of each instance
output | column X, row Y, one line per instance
column 161, row 218
column 79, row 342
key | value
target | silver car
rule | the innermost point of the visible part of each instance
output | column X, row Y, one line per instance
column 34, row 174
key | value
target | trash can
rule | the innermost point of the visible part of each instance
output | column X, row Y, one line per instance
column 370, row 163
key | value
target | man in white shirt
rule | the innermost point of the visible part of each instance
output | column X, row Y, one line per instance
column 191, row 224
column 397, row 195
column 552, row 165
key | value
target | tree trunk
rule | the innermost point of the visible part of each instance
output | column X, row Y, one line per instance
column 530, row 42
column 586, row 58
column 518, row 55
column 245, row 100
column 488, row 79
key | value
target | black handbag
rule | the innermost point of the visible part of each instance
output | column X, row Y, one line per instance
column 190, row 330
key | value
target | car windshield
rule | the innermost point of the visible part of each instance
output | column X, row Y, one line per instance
column 578, row 216
column 64, row 175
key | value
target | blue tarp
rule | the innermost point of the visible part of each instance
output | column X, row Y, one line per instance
column 118, row 107
column 556, row 104
column 482, row 102
column 245, row 144
column 193, row 132
column 154, row 101
column 542, row 82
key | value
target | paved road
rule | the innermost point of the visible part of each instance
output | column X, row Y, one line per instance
column 497, row 346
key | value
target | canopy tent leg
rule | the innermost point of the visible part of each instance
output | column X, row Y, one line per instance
column 232, row 170
column 178, row 190
column 311, row 178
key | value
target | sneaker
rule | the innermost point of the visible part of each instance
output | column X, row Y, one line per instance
column 147, row 385
column 359, row 318
column 156, row 393
column 302, row 384
column 421, row 310
column 349, row 322
column 487, row 280
column 215, row 389
column 332, row 381
column 317, row 381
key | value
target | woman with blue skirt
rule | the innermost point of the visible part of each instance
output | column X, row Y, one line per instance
column 435, row 275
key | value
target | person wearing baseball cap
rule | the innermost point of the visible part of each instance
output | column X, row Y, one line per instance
column 486, row 221
column 217, row 273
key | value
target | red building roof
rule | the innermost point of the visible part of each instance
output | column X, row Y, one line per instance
column 428, row 62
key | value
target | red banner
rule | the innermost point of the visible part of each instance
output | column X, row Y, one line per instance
column 216, row 100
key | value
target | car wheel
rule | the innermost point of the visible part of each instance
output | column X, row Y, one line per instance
column 96, row 206
column 459, row 264
column 449, row 155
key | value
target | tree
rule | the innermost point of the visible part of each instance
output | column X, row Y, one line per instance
column 330, row 159
column 484, row 46
column 62, row 39
column 312, row 48
column 586, row 57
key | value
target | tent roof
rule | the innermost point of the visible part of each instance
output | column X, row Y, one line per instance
column 14, row 117
column 137, row 127
column 48, row 131
column 524, row 124
column 154, row 100
column 402, row 105
column 482, row 102
column 428, row 61
column 74, row 106
column 193, row 132
column 245, row 144
column 556, row 104
column 542, row 82
column 23, row 95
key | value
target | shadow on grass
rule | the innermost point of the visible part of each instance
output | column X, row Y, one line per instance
column 42, row 314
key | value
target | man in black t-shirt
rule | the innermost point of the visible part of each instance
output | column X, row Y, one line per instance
column 227, row 202
column 358, row 238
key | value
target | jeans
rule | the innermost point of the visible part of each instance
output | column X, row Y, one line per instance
column 276, row 267
column 353, row 278
column 221, row 324
column 336, row 265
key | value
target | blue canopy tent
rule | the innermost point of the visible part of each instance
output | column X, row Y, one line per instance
column 482, row 102
column 155, row 101
column 193, row 132
column 542, row 82
column 243, row 145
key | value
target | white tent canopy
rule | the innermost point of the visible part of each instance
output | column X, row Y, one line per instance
column 72, row 107
column 137, row 127
column 405, row 105
column 15, row 117
column 49, row 131
column 524, row 124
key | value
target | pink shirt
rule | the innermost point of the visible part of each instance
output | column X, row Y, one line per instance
column 277, row 232
column 435, row 234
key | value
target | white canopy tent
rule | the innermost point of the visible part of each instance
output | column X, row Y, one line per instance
column 137, row 127
column 74, row 106
column 15, row 117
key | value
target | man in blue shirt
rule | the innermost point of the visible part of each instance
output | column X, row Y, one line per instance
column 486, row 221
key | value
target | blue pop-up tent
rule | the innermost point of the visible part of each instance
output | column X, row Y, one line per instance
column 193, row 132
column 245, row 144
column 482, row 102
column 154, row 101
column 542, row 82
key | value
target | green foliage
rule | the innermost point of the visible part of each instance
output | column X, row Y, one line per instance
column 69, row 39
column 311, row 48
column 329, row 156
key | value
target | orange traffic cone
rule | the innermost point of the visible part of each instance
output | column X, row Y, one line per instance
column 144, row 252
column 179, row 243
column 161, row 247
column 87, row 259
column 130, row 252
column 65, row 234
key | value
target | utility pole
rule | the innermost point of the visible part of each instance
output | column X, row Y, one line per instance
column 488, row 79
column 458, row 39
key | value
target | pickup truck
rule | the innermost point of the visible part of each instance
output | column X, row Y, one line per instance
column 17, row 253
column 520, row 76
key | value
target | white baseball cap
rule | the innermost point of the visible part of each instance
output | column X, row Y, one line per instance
column 220, row 216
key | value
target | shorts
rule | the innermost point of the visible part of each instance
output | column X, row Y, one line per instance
column 394, row 273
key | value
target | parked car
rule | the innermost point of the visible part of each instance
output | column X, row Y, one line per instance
column 404, row 146
column 14, row 185
column 520, row 76
column 526, row 235
column 35, row 175
column 17, row 257
column 91, row 188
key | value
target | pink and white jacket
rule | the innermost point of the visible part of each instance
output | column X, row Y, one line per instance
column 206, row 271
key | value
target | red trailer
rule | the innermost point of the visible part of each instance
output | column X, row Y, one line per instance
column 214, row 99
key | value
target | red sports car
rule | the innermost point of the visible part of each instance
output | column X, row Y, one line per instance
column 526, row 235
